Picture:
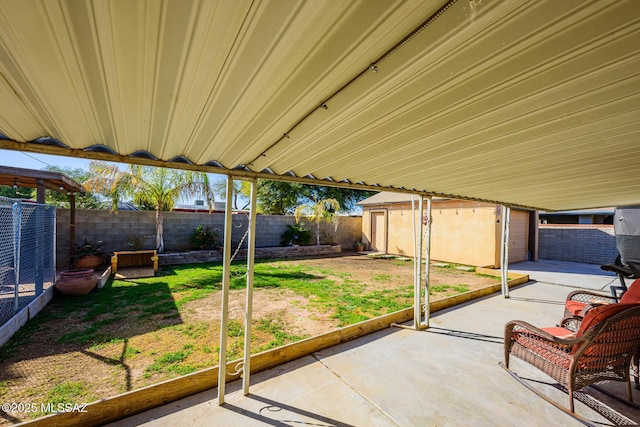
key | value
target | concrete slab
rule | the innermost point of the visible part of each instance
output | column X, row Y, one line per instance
column 571, row 274
column 303, row 392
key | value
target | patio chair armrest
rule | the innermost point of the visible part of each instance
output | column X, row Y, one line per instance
column 571, row 323
column 520, row 326
column 590, row 297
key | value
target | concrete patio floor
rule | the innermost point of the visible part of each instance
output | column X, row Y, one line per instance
column 447, row 375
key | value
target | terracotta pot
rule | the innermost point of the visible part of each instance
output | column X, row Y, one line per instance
column 89, row 261
column 76, row 282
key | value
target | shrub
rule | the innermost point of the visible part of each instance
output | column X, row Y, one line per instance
column 204, row 238
column 296, row 234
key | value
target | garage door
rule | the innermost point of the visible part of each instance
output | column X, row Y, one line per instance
column 518, row 236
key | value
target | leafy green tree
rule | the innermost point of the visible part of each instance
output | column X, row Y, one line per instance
column 281, row 198
column 241, row 192
column 159, row 187
column 86, row 200
column 325, row 210
column 16, row 193
column 278, row 197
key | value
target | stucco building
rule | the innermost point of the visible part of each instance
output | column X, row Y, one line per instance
column 463, row 232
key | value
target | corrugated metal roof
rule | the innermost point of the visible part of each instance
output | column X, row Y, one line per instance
column 526, row 103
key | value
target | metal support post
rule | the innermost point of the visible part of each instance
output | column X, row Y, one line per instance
column 224, row 310
column 427, row 262
column 417, row 265
column 417, row 288
column 40, row 212
column 246, row 367
column 54, row 244
column 17, row 238
column 504, row 251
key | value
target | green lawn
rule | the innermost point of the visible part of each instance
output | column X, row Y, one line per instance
column 134, row 333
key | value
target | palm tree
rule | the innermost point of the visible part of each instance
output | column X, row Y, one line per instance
column 319, row 211
column 157, row 187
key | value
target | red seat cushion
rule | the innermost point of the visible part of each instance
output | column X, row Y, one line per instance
column 632, row 296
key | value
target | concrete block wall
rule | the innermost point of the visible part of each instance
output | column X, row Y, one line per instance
column 592, row 244
column 116, row 231
column 190, row 257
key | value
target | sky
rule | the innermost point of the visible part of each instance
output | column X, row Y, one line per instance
column 26, row 160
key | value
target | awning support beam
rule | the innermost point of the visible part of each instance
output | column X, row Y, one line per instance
column 226, row 275
column 427, row 262
column 504, row 251
column 417, row 265
column 246, row 367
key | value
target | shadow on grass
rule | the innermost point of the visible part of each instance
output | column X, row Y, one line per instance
column 109, row 315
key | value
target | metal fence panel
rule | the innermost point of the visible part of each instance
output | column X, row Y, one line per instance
column 27, row 254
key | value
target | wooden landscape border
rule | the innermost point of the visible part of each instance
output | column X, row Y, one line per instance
column 133, row 402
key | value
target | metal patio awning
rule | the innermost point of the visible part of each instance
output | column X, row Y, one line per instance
column 532, row 104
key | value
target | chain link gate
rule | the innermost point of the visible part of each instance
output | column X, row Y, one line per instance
column 27, row 254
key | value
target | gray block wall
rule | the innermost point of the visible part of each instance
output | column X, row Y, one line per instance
column 116, row 231
column 592, row 244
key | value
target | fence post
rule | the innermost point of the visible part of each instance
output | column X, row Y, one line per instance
column 54, row 249
column 17, row 230
column 40, row 231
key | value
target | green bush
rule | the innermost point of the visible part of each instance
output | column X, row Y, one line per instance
column 296, row 234
column 204, row 238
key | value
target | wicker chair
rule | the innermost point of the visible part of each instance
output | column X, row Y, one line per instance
column 601, row 349
column 579, row 302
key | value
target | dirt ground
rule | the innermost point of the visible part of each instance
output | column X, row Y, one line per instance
column 377, row 273
column 34, row 375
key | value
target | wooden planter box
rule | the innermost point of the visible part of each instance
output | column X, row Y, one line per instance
column 134, row 260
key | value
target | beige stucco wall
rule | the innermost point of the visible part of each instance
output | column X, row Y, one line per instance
column 462, row 231
column 466, row 233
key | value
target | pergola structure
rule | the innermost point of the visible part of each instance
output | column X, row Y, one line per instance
column 42, row 181
column 528, row 104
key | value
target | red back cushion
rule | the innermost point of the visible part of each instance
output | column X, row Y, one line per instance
column 575, row 307
column 632, row 296
column 598, row 314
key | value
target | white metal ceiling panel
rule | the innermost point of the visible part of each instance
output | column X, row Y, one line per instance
column 526, row 103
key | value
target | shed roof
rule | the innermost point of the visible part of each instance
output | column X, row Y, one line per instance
column 528, row 104
column 28, row 178
column 385, row 197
